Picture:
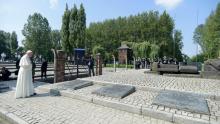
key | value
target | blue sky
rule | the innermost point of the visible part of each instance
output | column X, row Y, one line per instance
column 14, row 13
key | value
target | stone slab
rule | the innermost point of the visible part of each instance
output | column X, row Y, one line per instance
column 168, row 68
column 188, row 69
column 3, row 88
column 116, row 91
column 183, row 101
column 74, row 85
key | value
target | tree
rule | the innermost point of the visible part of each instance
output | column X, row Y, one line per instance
column 2, row 42
column 14, row 42
column 73, row 28
column 154, row 51
column 178, row 45
column 140, row 31
column 208, row 35
column 65, row 32
column 98, row 49
column 55, row 38
column 197, row 35
column 82, row 26
column 37, row 35
column 165, row 39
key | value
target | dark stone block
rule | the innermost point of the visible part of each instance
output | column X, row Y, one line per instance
column 4, row 88
column 183, row 101
column 55, row 92
column 189, row 69
column 168, row 68
column 116, row 91
column 75, row 84
column 214, row 62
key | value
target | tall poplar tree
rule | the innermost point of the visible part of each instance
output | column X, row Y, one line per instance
column 73, row 28
column 65, row 31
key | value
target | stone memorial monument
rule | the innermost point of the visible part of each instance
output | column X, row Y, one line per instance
column 184, row 101
column 211, row 69
column 115, row 91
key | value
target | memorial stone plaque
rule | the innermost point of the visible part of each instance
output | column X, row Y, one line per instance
column 183, row 101
column 74, row 85
column 116, row 91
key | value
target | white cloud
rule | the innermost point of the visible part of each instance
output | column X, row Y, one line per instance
column 168, row 4
column 53, row 3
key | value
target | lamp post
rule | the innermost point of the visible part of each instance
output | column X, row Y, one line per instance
column 114, row 63
column 40, row 56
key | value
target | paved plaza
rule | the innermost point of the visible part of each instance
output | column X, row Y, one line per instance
column 149, row 80
column 46, row 109
column 81, row 106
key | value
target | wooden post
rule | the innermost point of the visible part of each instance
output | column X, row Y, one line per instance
column 98, row 64
column 134, row 62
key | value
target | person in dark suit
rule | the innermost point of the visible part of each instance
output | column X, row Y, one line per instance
column 91, row 66
column 5, row 74
column 44, row 69
column 17, row 66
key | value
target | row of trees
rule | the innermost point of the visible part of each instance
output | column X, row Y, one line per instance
column 149, row 34
column 8, row 43
column 73, row 30
column 207, row 35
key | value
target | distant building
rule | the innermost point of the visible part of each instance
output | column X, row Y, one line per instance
column 124, row 52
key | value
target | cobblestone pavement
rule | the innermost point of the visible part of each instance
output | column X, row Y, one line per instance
column 139, row 78
column 46, row 109
column 140, row 99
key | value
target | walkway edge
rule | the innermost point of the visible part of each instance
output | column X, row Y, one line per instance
column 12, row 118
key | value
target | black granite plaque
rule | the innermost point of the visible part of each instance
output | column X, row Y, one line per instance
column 75, row 84
column 116, row 91
column 184, row 101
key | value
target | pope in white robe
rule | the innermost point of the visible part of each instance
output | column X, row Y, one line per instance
column 24, row 87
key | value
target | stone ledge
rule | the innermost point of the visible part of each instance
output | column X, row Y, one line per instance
column 158, row 114
column 188, row 120
column 11, row 117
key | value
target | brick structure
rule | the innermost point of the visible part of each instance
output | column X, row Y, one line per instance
column 59, row 66
column 98, row 64
column 124, row 53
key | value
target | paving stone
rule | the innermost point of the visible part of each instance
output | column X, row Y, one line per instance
column 116, row 91
column 183, row 101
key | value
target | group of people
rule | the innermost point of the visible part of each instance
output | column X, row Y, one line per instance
column 25, row 71
column 167, row 60
column 43, row 68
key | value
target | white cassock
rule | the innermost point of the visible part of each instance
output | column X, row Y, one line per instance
column 24, row 87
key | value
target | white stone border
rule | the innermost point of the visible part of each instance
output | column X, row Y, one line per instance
column 11, row 118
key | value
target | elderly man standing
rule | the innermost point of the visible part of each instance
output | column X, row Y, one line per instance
column 24, row 87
